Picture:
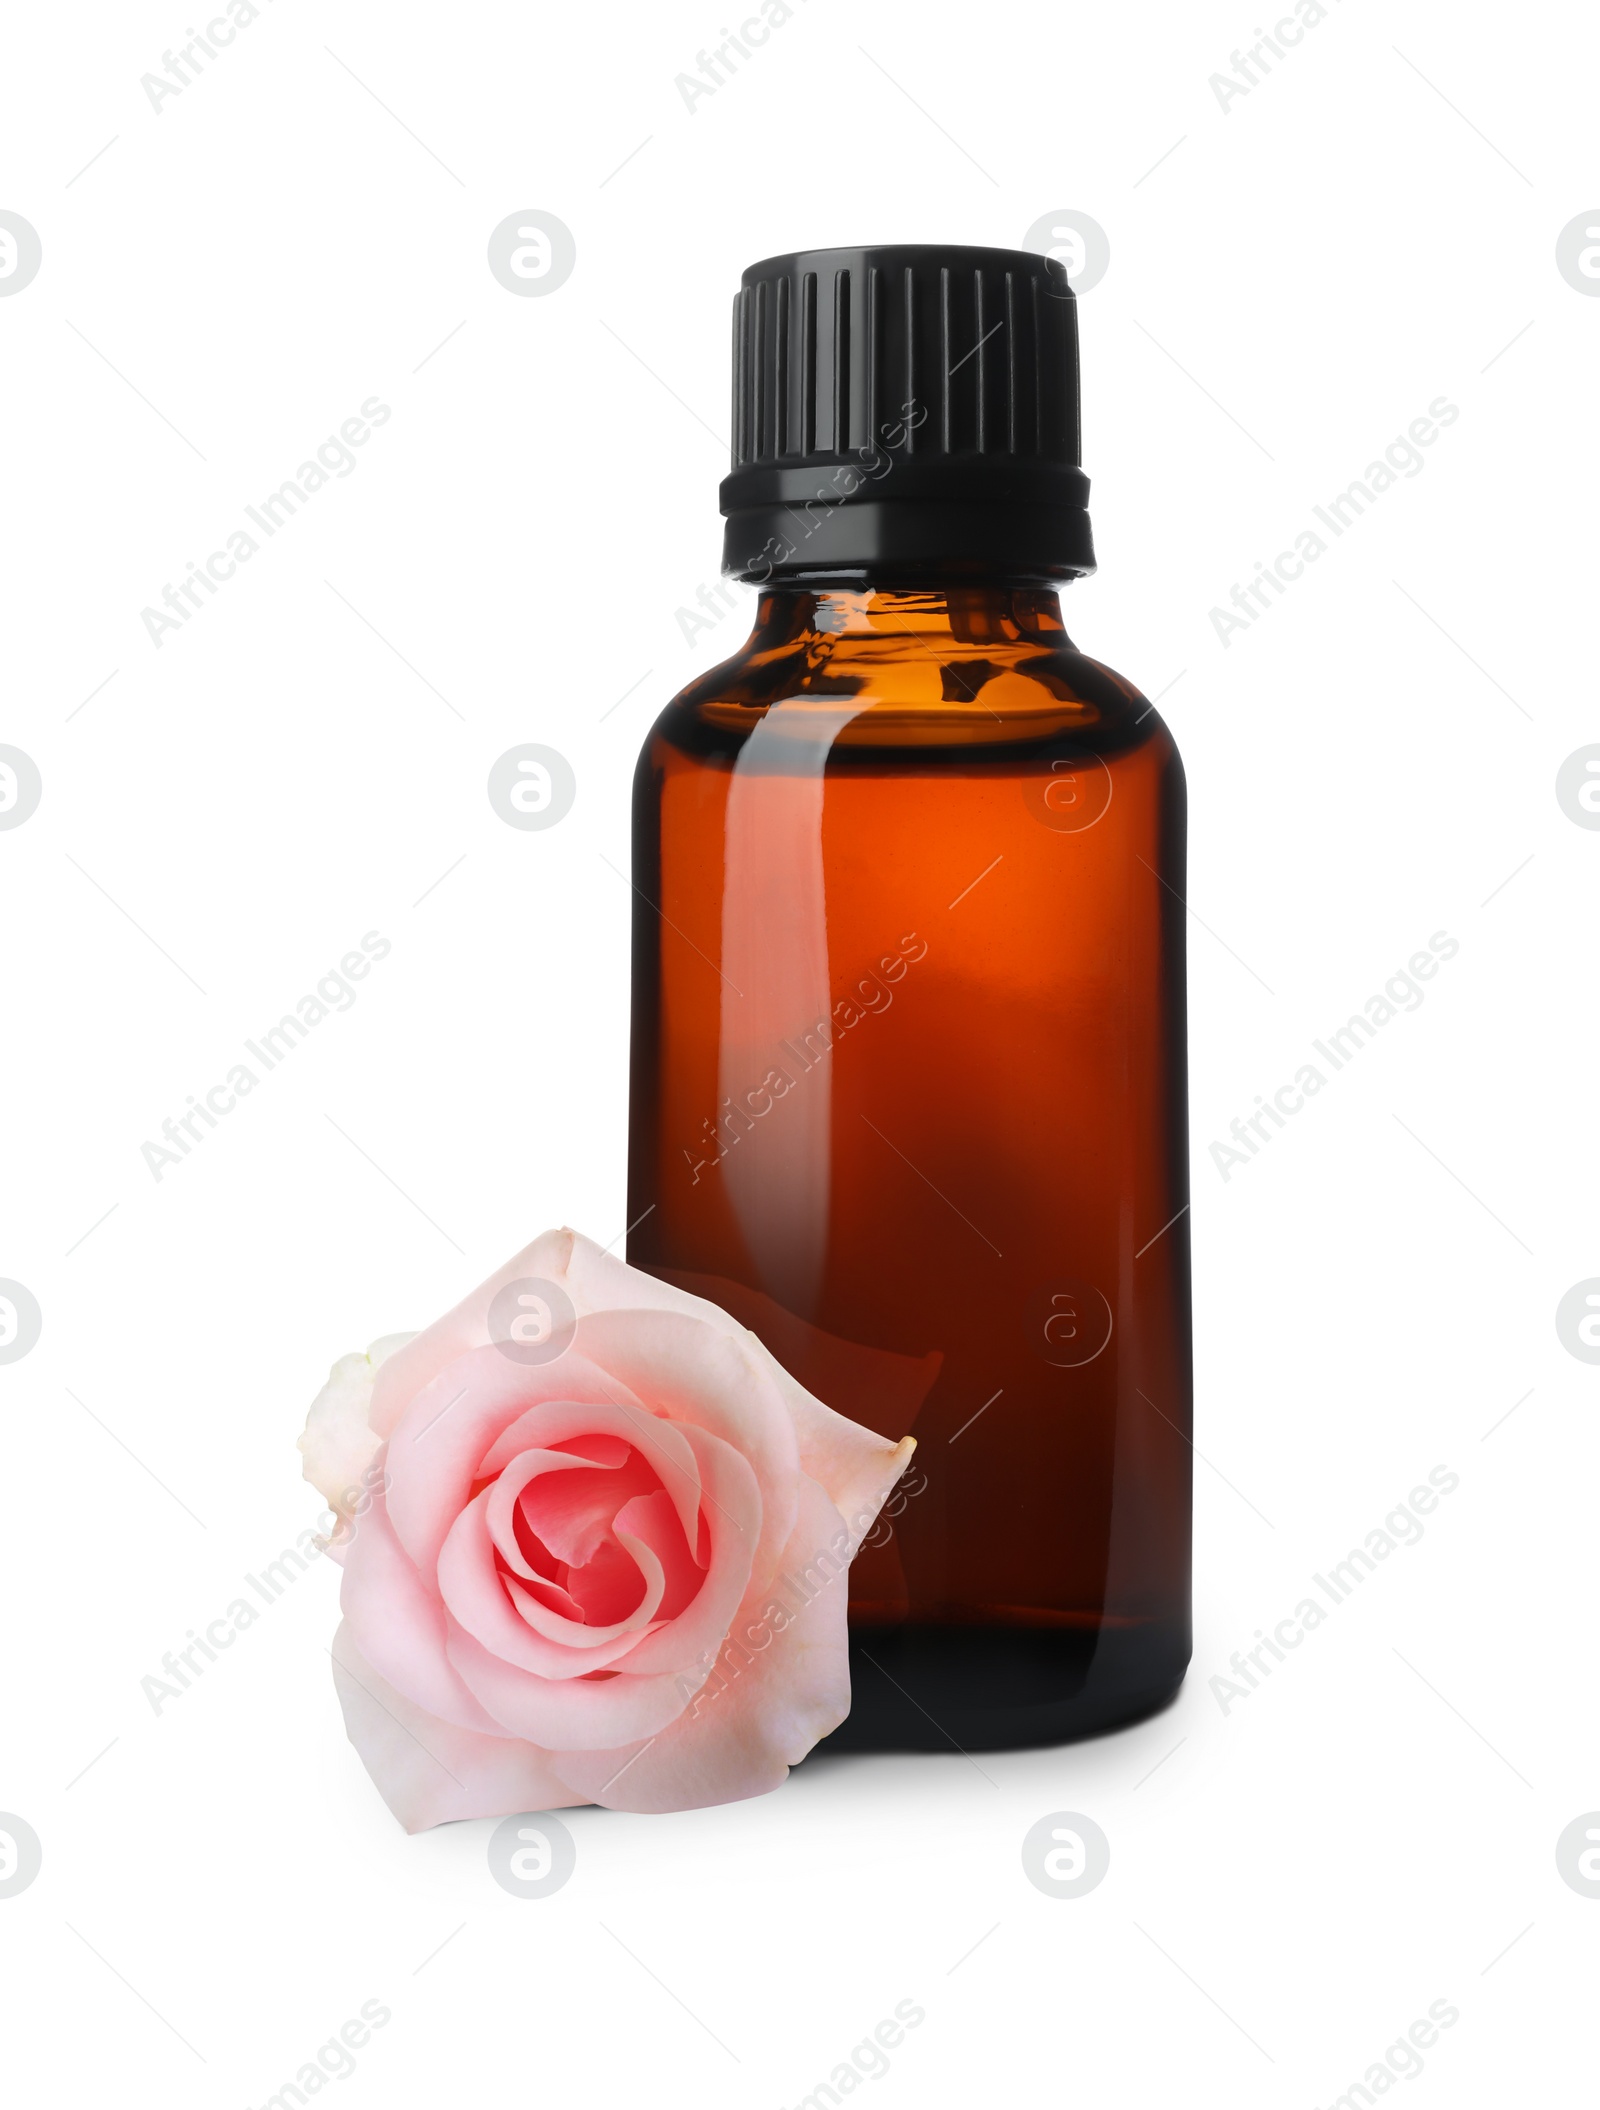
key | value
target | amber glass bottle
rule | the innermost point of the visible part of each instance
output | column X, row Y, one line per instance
column 908, row 1017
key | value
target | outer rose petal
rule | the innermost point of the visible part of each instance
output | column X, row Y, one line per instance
column 399, row 1625
column 739, row 1738
column 429, row 1771
column 337, row 1442
column 579, row 1712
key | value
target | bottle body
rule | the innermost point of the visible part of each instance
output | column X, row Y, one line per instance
column 908, row 1099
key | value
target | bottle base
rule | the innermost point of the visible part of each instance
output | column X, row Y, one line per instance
column 993, row 1688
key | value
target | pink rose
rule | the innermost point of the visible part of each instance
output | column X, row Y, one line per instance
column 594, row 1541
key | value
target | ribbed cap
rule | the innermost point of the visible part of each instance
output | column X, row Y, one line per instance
column 907, row 408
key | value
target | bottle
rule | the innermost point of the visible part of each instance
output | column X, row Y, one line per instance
column 908, row 1063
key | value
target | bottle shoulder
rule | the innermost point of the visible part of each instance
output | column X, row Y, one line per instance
column 887, row 694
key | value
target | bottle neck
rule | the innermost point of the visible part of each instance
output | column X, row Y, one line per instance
column 939, row 617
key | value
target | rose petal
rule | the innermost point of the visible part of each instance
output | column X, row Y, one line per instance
column 631, row 1580
column 571, row 1515
column 595, row 1449
column 338, row 1442
column 652, row 1519
column 588, row 1713
column 551, row 1595
column 605, row 1586
column 503, row 1498
column 399, row 1625
column 859, row 1482
column 429, row 1771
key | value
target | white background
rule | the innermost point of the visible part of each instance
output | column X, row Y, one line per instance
column 1292, row 281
